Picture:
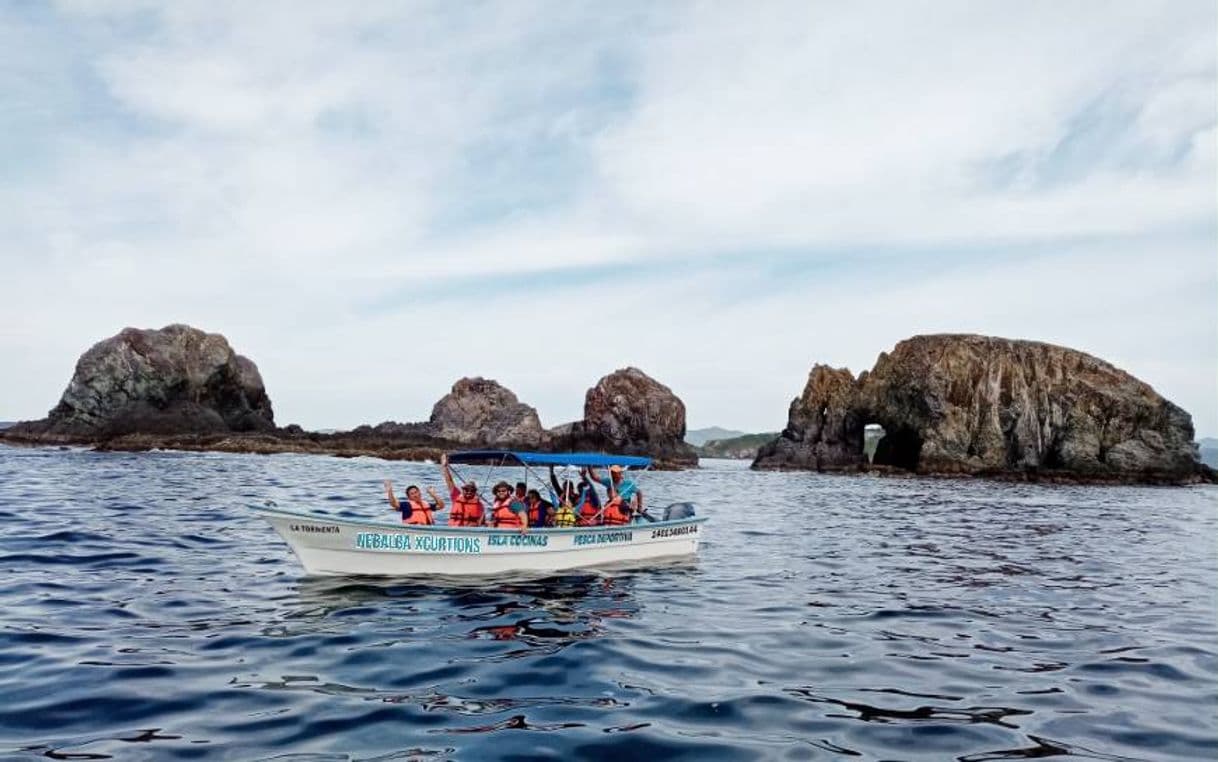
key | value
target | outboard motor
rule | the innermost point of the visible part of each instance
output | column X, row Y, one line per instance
column 678, row 511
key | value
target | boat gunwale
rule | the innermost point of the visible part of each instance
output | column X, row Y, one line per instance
column 473, row 530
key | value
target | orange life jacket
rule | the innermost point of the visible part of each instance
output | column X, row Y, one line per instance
column 420, row 513
column 465, row 512
column 538, row 515
column 588, row 513
column 615, row 514
column 504, row 516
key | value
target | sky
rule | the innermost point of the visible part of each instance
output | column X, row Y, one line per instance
column 372, row 200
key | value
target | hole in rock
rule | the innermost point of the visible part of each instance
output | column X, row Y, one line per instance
column 872, row 434
column 898, row 446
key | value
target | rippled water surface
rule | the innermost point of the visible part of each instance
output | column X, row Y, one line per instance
column 147, row 615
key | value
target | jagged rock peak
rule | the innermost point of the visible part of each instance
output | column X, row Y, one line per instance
column 628, row 411
column 177, row 379
column 483, row 412
column 823, row 430
column 963, row 403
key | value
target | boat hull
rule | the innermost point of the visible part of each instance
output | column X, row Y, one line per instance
column 328, row 545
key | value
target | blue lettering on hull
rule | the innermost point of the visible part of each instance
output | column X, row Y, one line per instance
column 423, row 544
column 597, row 538
column 518, row 540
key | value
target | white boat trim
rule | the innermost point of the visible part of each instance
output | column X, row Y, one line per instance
column 337, row 545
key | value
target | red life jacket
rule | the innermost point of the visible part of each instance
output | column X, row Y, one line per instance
column 589, row 514
column 615, row 513
column 420, row 513
column 465, row 512
column 538, row 515
column 504, row 516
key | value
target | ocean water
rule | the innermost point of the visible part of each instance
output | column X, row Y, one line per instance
column 147, row 615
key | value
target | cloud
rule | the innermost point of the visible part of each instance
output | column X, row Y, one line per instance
column 879, row 123
column 373, row 200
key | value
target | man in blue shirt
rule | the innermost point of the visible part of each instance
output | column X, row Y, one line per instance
column 625, row 488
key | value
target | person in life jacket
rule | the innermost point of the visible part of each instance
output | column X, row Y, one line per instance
column 468, row 509
column 507, row 512
column 580, row 498
column 617, row 485
column 564, row 515
column 541, row 512
column 588, row 506
column 617, row 511
column 414, row 510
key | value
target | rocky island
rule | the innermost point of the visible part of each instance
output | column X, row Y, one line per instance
column 954, row 404
column 182, row 388
column 947, row 404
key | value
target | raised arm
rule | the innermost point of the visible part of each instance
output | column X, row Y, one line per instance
column 393, row 499
column 439, row 501
column 554, row 481
column 448, row 474
column 593, row 476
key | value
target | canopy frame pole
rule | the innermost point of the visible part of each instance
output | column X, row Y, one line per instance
column 545, row 484
column 491, row 473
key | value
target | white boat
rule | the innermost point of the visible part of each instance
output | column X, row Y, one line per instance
column 330, row 545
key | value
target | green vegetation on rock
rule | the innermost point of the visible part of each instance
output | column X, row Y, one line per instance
column 743, row 447
column 1208, row 447
column 699, row 437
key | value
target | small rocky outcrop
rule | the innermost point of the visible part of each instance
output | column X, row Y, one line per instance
column 174, row 380
column 629, row 412
column 484, row 413
column 824, row 431
column 964, row 404
column 182, row 388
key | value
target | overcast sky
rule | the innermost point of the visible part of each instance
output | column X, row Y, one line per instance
column 371, row 200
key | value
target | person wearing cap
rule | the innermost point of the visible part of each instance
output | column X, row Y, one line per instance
column 617, row 485
column 507, row 512
column 468, row 509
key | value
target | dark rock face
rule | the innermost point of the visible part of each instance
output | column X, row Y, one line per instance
column 983, row 405
column 174, row 380
column 482, row 412
column 181, row 388
column 977, row 403
column 631, row 413
column 824, row 431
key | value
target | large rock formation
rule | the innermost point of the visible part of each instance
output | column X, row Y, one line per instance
column 174, row 380
column 824, row 431
column 181, row 388
column 484, row 413
column 629, row 412
column 983, row 405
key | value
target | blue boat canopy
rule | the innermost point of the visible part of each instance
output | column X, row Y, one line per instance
column 582, row 459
